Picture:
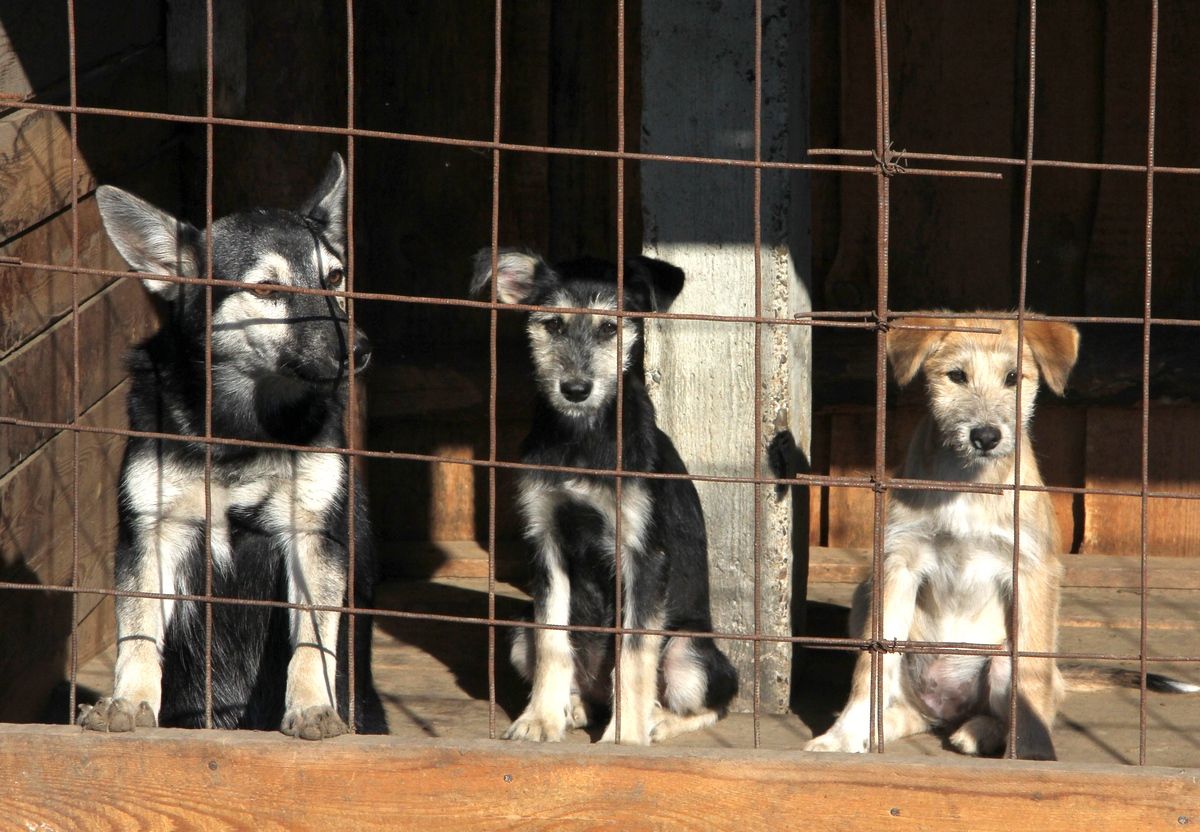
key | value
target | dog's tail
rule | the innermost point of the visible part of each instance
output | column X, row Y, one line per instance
column 1088, row 677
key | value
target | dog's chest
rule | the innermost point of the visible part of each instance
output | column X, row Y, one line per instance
column 280, row 494
column 541, row 500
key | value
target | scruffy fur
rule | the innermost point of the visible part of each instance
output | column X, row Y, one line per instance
column 279, row 527
column 668, row 686
column 948, row 556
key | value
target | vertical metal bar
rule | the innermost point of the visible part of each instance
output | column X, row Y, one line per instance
column 617, row 481
column 758, row 449
column 76, row 395
column 1146, row 310
column 208, row 374
column 352, row 392
column 494, row 373
column 1014, row 623
column 883, row 143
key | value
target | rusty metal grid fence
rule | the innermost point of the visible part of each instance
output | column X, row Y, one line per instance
column 881, row 162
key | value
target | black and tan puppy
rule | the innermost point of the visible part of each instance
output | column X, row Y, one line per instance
column 668, row 686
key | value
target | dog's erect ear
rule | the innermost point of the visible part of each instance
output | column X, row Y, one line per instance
column 516, row 273
column 661, row 280
column 907, row 349
column 327, row 205
column 149, row 239
column 1055, row 347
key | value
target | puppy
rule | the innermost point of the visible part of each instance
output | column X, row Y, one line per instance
column 948, row 556
column 279, row 518
column 570, row 520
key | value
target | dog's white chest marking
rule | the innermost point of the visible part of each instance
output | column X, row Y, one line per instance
column 167, row 499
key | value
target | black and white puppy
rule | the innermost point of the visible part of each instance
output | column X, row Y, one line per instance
column 668, row 686
column 279, row 519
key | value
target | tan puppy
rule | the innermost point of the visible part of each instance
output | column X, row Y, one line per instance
column 948, row 556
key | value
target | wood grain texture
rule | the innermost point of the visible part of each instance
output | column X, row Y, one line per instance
column 36, row 547
column 1113, row 525
column 61, row 778
column 36, row 380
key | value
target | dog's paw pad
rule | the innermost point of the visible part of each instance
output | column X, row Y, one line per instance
column 112, row 715
column 530, row 728
column 318, row 722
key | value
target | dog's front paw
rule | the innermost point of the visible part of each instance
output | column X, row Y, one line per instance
column 318, row 722
column 836, row 741
column 116, row 716
column 536, row 727
column 633, row 732
column 578, row 717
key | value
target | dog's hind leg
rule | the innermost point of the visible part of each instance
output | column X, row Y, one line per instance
column 687, row 694
column 149, row 559
column 1039, row 683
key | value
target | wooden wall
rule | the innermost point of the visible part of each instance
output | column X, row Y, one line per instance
column 958, row 83
column 122, row 62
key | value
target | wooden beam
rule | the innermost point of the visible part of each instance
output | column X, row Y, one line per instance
column 62, row 778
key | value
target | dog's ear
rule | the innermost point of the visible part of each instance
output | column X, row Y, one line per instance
column 149, row 239
column 659, row 280
column 907, row 349
column 1055, row 347
column 327, row 205
column 516, row 274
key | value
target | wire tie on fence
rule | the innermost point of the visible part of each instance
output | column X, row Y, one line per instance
column 881, row 324
column 878, row 485
column 892, row 161
column 137, row 637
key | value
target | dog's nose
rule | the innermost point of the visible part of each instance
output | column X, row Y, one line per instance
column 362, row 352
column 576, row 390
column 985, row 438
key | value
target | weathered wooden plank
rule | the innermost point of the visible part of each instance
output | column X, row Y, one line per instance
column 36, row 547
column 32, row 300
column 36, row 380
column 1113, row 524
column 851, row 565
column 160, row 778
column 35, row 145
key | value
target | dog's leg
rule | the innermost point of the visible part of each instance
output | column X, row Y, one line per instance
column 640, row 654
column 551, row 705
column 314, row 577
column 1039, row 684
column 852, row 730
column 149, row 563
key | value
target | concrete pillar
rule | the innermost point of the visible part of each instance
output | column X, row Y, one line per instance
column 698, row 88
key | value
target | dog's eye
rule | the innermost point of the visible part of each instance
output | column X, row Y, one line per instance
column 1010, row 380
column 264, row 290
column 608, row 329
column 335, row 278
column 957, row 376
column 553, row 325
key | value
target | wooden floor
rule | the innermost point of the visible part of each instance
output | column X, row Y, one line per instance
column 434, row 681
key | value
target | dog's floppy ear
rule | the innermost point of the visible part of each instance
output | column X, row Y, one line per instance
column 516, row 274
column 907, row 349
column 1055, row 347
column 327, row 205
column 150, row 240
column 662, row 281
